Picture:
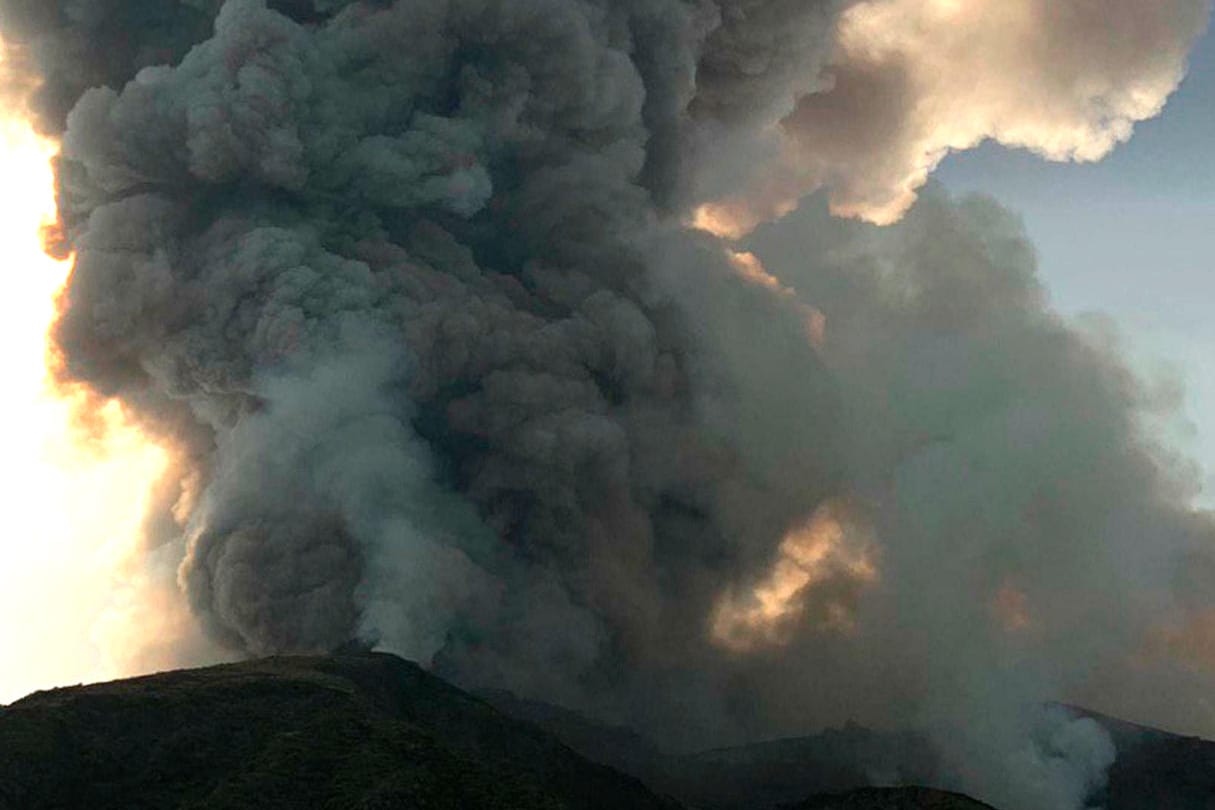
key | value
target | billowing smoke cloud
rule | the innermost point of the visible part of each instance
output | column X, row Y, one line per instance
column 1032, row 538
column 910, row 80
column 405, row 286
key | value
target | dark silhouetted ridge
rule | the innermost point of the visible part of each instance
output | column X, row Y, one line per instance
column 908, row 798
column 348, row 731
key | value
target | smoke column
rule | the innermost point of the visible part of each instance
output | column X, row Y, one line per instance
column 408, row 288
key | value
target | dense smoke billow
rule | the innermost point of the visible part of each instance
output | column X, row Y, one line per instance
column 407, row 288
column 910, row 80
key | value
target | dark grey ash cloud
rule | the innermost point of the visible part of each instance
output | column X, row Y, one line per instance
column 394, row 270
column 406, row 285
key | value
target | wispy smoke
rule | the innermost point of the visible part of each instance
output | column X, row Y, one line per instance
column 405, row 284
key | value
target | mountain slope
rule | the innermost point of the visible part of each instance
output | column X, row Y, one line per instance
column 350, row 731
column 1154, row 769
column 1157, row 769
column 893, row 799
column 772, row 774
column 371, row 731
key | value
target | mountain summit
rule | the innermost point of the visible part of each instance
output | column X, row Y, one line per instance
column 366, row 731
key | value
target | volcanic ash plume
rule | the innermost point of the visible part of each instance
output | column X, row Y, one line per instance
column 911, row 80
column 405, row 286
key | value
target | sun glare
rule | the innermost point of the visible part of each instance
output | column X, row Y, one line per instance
column 74, row 499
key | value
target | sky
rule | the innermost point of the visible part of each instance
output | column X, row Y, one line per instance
column 1131, row 237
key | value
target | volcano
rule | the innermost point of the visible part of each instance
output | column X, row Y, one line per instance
column 370, row 730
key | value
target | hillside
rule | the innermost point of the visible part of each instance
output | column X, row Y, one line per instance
column 371, row 731
column 1154, row 769
column 352, row 731
column 893, row 799
column 1157, row 769
column 769, row 774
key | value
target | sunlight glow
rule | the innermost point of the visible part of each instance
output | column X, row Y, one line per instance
column 816, row 579
column 1011, row 608
column 752, row 270
column 74, row 497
